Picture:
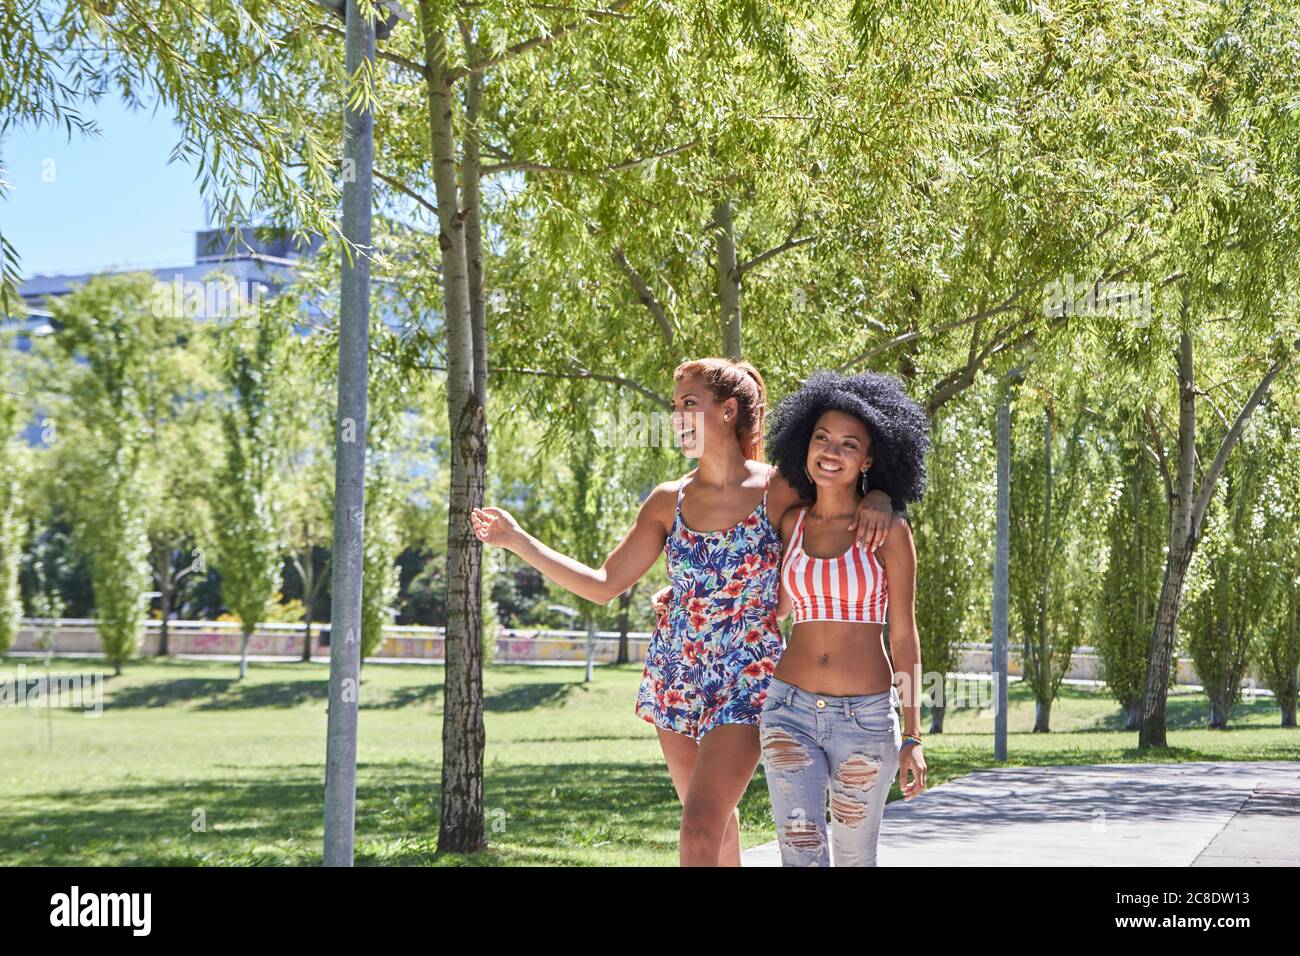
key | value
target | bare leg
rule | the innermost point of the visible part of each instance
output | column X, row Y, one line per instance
column 680, row 753
column 724, row 766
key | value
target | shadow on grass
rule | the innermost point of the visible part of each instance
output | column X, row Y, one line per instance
column 209, row 693
column 1192, row 712
column 558, row 812
column 217, row 694
column 569, row 813
column 527, row 696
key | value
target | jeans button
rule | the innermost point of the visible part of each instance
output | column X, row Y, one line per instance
column 820, row 703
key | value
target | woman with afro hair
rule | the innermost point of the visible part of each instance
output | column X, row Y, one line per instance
column 828, row 722
column 716, row 643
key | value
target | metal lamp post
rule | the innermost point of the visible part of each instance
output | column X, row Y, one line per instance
column 350, row 442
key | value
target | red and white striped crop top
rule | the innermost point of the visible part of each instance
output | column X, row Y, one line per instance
column 851, row 587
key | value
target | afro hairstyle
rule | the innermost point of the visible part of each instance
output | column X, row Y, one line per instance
column 899, row 429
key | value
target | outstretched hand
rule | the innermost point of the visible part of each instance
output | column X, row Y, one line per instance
column 495, row 526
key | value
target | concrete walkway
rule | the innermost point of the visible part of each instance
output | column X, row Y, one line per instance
column 1183, row 814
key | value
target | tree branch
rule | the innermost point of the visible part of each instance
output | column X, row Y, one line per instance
column 1159, row 449
column 537, row 42
column 645, row 294
column 1234, row 433
column 419, row 68
column 759, row 259
column 512, row 165
column 578, row 374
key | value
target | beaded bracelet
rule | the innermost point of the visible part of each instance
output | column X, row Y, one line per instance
column 911, row 739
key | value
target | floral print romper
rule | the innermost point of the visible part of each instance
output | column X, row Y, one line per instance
column 713, row 652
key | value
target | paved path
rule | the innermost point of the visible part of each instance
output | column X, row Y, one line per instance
column 1183, row 814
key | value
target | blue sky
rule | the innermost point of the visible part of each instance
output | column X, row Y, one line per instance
column 114, row 200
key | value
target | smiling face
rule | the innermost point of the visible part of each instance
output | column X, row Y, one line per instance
column 839, row 450
column 700, row 420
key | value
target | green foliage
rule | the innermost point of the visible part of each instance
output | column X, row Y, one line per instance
column 1136, row 532
column 1277, row 648
column 952, row 528
column 1233, row 589
column 13, row 524
column 112, row 374
column 1055, row 467
column 246, row 505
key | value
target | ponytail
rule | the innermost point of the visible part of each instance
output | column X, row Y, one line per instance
column 733, row 378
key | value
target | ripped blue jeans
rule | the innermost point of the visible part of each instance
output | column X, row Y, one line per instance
column 813, row 744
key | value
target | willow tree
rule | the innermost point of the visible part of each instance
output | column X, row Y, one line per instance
column 1054, row 481
column 1226, row 263
column 13, row 461
column 952, row 528
column 1131, row 582
column 306, row 464
column 247, row 505
column 1232, row 586
column 1277, row 645
column 115, row 373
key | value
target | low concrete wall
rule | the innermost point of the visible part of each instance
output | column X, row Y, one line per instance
column 427, row 643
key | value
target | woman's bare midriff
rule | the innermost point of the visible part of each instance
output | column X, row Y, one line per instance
column 836, row 658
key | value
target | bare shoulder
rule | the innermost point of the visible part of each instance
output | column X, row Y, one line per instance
column 899, row 544
column 788, row 521
column 663, row 497
column 781, row 495
column 661, row 503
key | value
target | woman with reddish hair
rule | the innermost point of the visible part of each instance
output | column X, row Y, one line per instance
column 715, row 647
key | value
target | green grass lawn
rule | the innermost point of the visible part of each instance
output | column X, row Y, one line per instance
column 573, row 777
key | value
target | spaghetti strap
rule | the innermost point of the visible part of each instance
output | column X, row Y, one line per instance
column 766, row 483
column 796, row 539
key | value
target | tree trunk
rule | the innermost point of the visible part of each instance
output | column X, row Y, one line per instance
column 1186, row 514
column 461, row 829
column 1132, row 714
column 1286, row 697
column 306, row 638
column 936, row 719
column 1001, row 568
column 165, row 609
column 243, row 654
column 728, row 280
column 1042, row 716
column 1182, row 541
column 166, row 588
column 1041, row 661
column 307, row 574
column 1218, row 713
column 1152, row 732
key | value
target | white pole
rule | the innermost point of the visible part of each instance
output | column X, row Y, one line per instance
column 350, row 461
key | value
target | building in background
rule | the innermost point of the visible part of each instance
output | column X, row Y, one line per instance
column 259, row 263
